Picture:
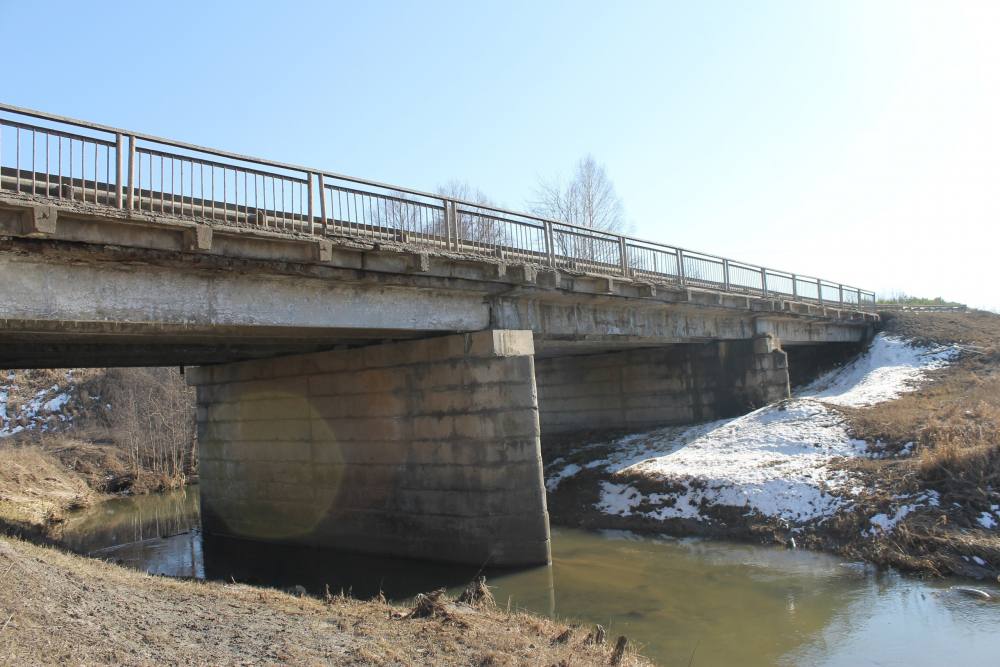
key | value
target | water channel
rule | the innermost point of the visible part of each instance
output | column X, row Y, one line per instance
column 722, row 603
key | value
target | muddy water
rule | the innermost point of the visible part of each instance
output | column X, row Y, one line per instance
column 723, row 604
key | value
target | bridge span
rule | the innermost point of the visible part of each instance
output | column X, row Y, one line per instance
column 375, row 365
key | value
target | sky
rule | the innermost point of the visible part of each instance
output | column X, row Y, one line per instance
column 857, row 141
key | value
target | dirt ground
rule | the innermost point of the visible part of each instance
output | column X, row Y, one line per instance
column 57, row 608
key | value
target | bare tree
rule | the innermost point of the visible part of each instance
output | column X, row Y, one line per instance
column 588, row 200
column 152, row 417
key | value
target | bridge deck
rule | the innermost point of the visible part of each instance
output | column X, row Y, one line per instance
column 66, row 160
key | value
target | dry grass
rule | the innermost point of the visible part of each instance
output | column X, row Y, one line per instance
column 954, row 423
column 65, row 609
column 44, row 476
column 36, row 490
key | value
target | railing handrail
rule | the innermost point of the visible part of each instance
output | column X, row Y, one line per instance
column 563, row 227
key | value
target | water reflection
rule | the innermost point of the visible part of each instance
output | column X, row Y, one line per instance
column 718, row 602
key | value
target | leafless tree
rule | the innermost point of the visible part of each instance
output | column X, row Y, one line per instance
column 152, row 417
column 590, row 200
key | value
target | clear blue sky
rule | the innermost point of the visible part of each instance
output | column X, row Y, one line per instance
column 854, row 140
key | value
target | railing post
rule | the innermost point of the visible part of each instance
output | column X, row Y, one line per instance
column 763, row 281
column 795, row 287
column 322, row 201
column 623, row 255
column 680, row 266
column 859, row 298
column 819, row 290
column 451, row 224
column 131, row 173
column 550, row 250
column 119, row 189
column 840, row 289
column 309, row 195
column 725, row 274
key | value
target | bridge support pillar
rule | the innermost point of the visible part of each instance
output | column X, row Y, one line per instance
column 423, row 449
column 646, row 388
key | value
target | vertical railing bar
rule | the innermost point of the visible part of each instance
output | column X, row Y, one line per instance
column 33, row 169
column 59, row 189
column 246, row 199
column 225, row 197
column 212, row 172
column 283, row 218
column 201, row 190
column 322, row 202
column 131, row 172
column 256, row 200
column 48, row 151
column 309, row 199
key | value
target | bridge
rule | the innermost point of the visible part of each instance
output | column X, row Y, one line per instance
column 375, row 365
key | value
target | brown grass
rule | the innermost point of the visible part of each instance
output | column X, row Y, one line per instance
column 65, row 609
column 954, row 423
column 36, row 490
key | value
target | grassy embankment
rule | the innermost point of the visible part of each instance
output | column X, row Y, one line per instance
column 57, row 608
column 72, row 437
column 954, row 423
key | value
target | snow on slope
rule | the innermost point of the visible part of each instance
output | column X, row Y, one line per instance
column 45, row 409
column 890, row 367
column 775, row 461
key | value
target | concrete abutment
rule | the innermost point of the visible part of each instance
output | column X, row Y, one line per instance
column 645, row 388
column 422, row 449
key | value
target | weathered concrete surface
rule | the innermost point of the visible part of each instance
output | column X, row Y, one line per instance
column 640, row 389
column 101, row 288
column 424, row 449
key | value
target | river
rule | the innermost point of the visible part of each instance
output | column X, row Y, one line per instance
column 686, row 601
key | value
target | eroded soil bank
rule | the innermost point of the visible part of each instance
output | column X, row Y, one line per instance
column 59, row 608
column 893, row 458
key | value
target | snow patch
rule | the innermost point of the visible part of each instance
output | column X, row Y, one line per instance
column 552, row 483
column 885, row 523
column 891, row 366
column 37, row 412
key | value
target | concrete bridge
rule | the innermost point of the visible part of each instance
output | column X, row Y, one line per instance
column 375, row 365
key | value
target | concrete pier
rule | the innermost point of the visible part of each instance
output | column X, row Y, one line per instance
column 424, row 449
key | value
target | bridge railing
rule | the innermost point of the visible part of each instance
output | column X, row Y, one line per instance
column 60, row 158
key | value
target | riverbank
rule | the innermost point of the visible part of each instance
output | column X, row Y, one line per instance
column 70, row 437
column 61, row 608
column 44, row 477
column 892, row 459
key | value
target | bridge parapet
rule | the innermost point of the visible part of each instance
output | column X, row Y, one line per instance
column 98, row 167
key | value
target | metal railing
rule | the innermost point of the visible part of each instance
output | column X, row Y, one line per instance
column 60, row 158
